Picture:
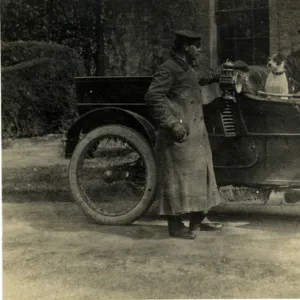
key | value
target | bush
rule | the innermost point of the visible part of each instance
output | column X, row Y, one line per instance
column 38, row 94
column 71, row 23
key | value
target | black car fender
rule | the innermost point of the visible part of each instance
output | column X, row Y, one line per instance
column 107, row 116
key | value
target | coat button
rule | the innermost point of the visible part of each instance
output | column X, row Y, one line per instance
column 192, row 102
column 195, row 120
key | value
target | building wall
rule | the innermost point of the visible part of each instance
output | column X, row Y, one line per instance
column 284, row 26
column 138, row 33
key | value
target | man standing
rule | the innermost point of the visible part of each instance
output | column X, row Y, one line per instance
column 187, row 182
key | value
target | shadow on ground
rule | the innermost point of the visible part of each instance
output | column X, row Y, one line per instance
column 66, row 217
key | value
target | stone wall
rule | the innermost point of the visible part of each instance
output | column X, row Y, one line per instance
column 284, row 26
column 138, row 33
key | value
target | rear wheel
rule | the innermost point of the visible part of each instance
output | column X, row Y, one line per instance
column 112, row 175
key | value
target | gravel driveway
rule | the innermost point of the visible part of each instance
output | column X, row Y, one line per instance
column 52, row 251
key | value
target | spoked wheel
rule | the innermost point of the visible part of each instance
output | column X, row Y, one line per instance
column 112, row 175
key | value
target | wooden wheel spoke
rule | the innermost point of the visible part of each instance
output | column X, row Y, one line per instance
column 111, row 171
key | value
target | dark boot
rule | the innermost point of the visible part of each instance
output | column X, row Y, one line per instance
column 196, row 223
column 178, row 230
column 181, row 224
column 195, row 220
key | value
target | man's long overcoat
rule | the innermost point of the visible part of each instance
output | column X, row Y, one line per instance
column 186, row 176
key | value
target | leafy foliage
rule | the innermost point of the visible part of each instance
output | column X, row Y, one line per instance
column 123, row 37
column 70, row 22
column 37, row 88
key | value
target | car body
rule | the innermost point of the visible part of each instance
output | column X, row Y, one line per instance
column 255, row 138
column 255, row 141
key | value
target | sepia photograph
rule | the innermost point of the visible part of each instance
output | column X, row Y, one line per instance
column 150, row 149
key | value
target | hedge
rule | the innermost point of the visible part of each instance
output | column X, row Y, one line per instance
column 38, row 95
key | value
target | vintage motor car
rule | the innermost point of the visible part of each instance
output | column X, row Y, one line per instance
column 254, row 136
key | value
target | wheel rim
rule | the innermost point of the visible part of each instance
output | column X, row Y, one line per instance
column 112, row 175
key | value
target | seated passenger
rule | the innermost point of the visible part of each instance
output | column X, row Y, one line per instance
column 253, row 78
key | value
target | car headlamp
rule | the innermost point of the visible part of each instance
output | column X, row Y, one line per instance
column 231, row 81
column 226, row 81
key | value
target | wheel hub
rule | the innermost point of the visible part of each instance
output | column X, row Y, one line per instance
column 108, row 176
column 118, row 184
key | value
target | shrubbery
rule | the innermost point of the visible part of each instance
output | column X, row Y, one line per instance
column 71, row 23
column 112, row 38
column 38, row 95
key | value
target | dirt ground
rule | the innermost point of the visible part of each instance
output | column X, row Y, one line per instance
column 52, row 251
